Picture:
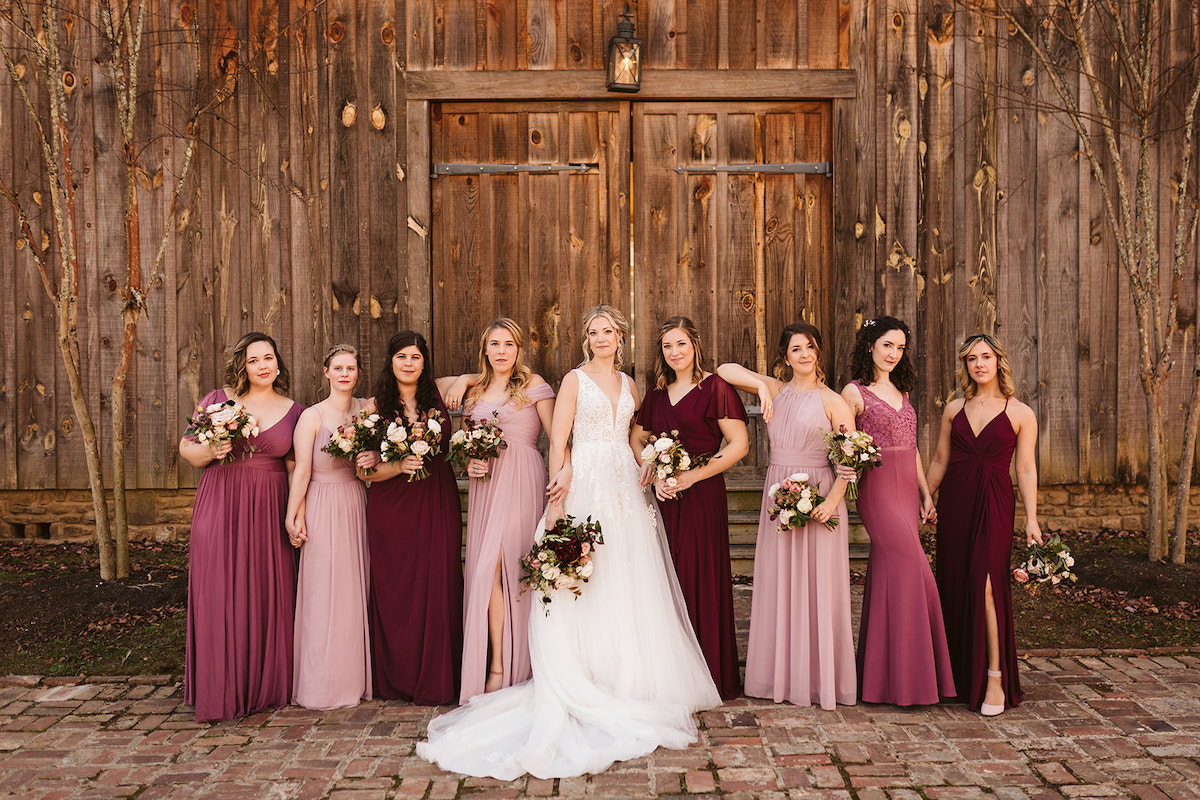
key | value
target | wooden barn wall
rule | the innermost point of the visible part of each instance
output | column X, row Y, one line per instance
column 309, row 212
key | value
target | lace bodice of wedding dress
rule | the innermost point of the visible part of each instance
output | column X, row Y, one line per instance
column 616, row 672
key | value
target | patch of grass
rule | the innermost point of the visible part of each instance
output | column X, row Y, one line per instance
column 153, row 649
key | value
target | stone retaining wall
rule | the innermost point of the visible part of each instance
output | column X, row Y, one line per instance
column 166, row 515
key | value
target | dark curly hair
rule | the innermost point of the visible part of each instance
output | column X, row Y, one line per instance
column 235, row 370
column 782, row 370
column 387, row 390
column 862, row 366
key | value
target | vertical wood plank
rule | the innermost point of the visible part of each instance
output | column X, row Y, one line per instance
column 14, row 262
column 459, row 34
column 348, row 112
column 500, row 35
column 777, row 35
column 419, row 38
column 417, row 311
column 742, row 39
column 898, row 268
column 703, row 24
column 937, row 329
column 542, row 34
column 1058, row 300
column 383, row 184
column 820, row 35
column 657, row 26
column 1017, row 172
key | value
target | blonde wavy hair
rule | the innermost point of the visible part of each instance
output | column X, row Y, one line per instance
column 1003, row 371
column 619, row 322
column 521, row 376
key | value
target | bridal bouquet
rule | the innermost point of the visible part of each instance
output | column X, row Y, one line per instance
column 669, row 457
column 482, row 439
column 222, row 422
column 365, row 432
column 422, row 438
column 793, row 501
column 855, row 449
column 561, row 559
column 1049, row 562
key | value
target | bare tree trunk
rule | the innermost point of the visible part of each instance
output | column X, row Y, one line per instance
column 1156, row 512
column 1183, row 490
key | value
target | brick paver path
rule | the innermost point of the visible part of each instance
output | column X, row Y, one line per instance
column 1098, row 724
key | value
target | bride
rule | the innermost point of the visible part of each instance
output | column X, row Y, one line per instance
column 616, row 672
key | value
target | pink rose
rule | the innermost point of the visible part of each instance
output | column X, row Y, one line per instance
column 1021, row 575
column 420, row 447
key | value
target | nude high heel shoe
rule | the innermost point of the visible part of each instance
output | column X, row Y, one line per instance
column 988, row 709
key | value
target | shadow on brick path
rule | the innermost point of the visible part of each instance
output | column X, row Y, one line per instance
column 1095, row 724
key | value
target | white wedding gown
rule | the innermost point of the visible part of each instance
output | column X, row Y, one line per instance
column 616, row 672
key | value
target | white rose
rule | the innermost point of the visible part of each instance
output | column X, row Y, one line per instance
column 799, row 477
column 564, row 582
column 865, row 457
column 663, row 444
column 585, row 569
column 254, row 431
column 672, row 483
column 647, row 452
column 395, row 433
column 662, row 473
column 202, row 437
column 806, row 493
column 373, row 418
column 214, row 407
column 420, row 447
column 785, row 516
column 246, row 430
column 435, row 426
column 804, row 506
column 685, row 462
column 549, row 572
column 459, row 437
column 664, row 458
column 1070, row 561
column 368, row 422
column 345, row 446
column 774, row 488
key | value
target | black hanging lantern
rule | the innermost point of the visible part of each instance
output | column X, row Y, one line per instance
column 624, row 57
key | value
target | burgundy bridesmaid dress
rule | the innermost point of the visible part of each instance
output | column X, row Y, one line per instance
column 976, row 510
column 415, row 602
column 902, row 655
column 241, row 579
column 697, row 522
column 501, row 521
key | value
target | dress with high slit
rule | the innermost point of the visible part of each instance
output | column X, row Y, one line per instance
column 976, row 511
column 502, row 515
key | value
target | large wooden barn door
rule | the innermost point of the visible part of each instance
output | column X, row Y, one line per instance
column 731, row 227
column 521, row 230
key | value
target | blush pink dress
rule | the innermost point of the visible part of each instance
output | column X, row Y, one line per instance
column 333, row 662
column 502, row 518
column 801, row 643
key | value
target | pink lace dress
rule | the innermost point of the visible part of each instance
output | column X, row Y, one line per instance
column 902, row 653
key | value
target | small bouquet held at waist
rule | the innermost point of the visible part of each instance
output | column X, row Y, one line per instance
column 561, row 559
column 481, row 439
column 669, row 457
column 793, row 500
column 422, row 438
column 854, row 449
column 362, row 434
column 222, row 422
column 1049, row 562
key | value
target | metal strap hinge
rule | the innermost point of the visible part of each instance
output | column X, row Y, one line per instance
column 487, row 169
column 793, row 168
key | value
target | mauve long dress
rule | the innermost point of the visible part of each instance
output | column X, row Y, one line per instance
column 697, row 521
column 502, row 518
column 333, row 654
column 241, row 579
column 976, row 511
column 902, row 655
column 801, row 643
column 414, row 533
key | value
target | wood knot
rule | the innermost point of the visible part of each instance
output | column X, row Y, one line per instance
column 576, row 52
column 68, row 82
column 387, row 34
column 334, row 31
column 378, row 117
column 535, row 136
column 349, row 114
column 186, row 14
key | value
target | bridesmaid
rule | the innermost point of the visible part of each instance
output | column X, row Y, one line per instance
column 902, row 656
column 241, row 571
column 976, row 512
column 414, row 533
column 507, row 497
column 801, row 644
column 327, row 518
column 704, row 409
